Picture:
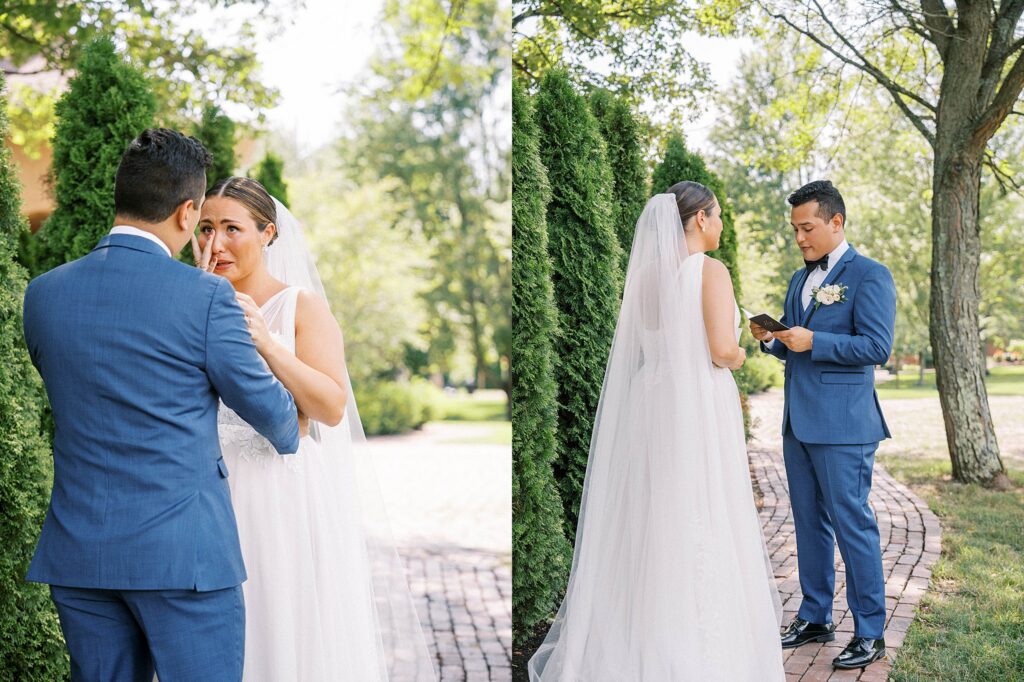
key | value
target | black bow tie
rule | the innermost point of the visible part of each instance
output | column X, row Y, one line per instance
column 812, row 265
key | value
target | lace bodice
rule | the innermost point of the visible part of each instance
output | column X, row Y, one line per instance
column 235, row 433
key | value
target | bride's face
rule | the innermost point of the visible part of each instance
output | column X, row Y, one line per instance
column 238, row 244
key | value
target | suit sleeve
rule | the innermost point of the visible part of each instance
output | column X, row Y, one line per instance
column 242, row 379
column 874, row 322
column 774, row 347
column 28, row 326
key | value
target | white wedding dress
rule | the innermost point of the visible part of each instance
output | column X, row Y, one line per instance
column 670, row 580
column 326, row 596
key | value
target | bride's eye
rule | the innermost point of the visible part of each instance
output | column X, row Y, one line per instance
column 205, row 229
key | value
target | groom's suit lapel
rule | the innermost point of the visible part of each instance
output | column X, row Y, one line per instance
column 832, row 276
column 794, row 296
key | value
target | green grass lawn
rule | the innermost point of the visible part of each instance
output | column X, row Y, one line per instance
column 490, row 406
column 485, row 409
column 1008, row 380
column 494, row 433
column 970, row 626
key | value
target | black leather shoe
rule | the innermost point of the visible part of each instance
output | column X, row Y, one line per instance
column 801, row 632
column 859, row 653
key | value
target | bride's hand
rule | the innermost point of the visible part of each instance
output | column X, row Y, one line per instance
column 741, row 357
column 205, row 259
column 254, row 320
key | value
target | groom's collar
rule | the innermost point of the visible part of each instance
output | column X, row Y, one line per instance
column 837, row 253
column 136, row 232
column 133, row 237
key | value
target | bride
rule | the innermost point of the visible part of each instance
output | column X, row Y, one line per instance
column 326, row 597
column 670, row 578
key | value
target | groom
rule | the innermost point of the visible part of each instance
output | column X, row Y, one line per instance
column 139, row 545
column 841, row 309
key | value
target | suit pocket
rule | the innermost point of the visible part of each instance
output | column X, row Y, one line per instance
column 222, row 467
column 842, row 377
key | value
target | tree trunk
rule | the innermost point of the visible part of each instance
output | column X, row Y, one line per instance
column 954, row 328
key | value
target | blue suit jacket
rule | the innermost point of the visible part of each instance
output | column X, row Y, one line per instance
column 135, row 348
column 830, row 390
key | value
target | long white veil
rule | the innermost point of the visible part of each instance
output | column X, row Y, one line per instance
column 403, row 648
column 670, row 578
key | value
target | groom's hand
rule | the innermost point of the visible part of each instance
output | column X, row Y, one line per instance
column 760, row 333
column 796, row 339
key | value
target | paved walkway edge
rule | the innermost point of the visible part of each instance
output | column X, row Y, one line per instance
column 911, row 542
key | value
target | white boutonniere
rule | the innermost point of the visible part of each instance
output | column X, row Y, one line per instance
column 827, row 295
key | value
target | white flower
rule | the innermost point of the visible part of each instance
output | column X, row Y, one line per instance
column 827, row 295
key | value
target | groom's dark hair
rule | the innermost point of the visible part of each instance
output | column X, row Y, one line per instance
column 160, row 170
column 830, row 201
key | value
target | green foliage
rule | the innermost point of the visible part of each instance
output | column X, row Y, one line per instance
column 217, row 133
column 371, row 272
column 540, row 552
column 622, row 136
column 270, row 174
column 31, row 648
column 32, row 117
column 759, row 373
column 107, row 104
column 643, row 44
column 776, row 132
column 585, row 257
column 390, row 407
column 169, row 38
column 424, row 123
column 680, row 164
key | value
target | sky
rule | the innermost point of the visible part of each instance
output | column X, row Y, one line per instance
column 327, row 45
column 330, row 41
column 722, row 56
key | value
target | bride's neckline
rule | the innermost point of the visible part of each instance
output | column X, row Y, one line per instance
column 272, row 298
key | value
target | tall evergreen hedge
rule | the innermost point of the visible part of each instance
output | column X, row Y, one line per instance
column 270, row 174
column 540, row 552
column 681, row 164
column 585, row 255
column 107, row 104
column 217, row 133
column 31, row 647
column 758, row 372
column 622, row 137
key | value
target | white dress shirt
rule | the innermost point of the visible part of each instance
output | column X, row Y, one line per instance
column 816, row 278
column 136, row 232
column 818, row 275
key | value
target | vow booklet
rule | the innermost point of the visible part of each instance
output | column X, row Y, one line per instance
column 766, row 321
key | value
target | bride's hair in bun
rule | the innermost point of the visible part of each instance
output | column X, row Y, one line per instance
column 253, row 196
column 691, row 198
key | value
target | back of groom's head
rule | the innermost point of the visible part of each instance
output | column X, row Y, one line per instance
column 830, row 201
column 160, row 170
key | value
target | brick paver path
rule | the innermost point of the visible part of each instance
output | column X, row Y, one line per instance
column 910, row 536
column 450, row 507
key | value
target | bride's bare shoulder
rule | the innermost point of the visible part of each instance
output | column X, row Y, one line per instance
column 311, row 310
column 714, row 268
